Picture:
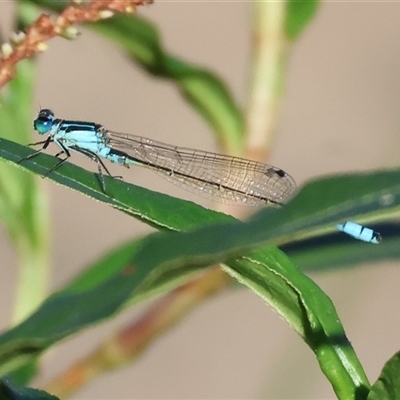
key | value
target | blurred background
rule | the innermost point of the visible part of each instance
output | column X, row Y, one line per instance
column 340, row 114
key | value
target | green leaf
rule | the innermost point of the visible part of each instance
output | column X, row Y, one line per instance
column 77, row 306
column 273, row 277
column 309, row 311
column 119, row 260
column 267, row 272
column 159, row 260
column 23, row 207
column 61, row 315
column 387, row 387
column 85, row 302
column 11, row 390
column 298, row 15
column 206, row 92
column 365, row 197
column 156, row 209
column 26, row 372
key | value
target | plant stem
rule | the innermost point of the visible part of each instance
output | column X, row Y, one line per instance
column 270, row 48
column 128, row 344
column 34, row 264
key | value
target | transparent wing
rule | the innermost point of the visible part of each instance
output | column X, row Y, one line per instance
column 224, row 178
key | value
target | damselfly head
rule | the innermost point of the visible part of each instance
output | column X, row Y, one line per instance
column 44, row 121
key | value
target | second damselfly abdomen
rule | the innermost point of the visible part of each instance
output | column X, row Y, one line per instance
column 360, row 232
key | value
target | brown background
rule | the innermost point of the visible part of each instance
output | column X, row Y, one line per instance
column 341, row 113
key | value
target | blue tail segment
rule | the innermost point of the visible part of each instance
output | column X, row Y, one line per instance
column 360, row 232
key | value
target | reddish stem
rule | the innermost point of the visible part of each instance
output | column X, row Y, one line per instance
column 45, row 28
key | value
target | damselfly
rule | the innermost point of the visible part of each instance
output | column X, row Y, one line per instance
column 225, row 178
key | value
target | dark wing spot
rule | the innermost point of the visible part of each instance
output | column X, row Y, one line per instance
column 270, row 172
column 280, row 173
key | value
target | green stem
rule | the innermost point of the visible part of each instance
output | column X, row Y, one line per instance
column 32, row 246
column 270, row 48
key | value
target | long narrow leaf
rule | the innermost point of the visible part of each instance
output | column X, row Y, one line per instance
column 387, row 387
column 316, row 209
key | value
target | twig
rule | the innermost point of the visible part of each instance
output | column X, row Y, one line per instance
column 25, row 45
